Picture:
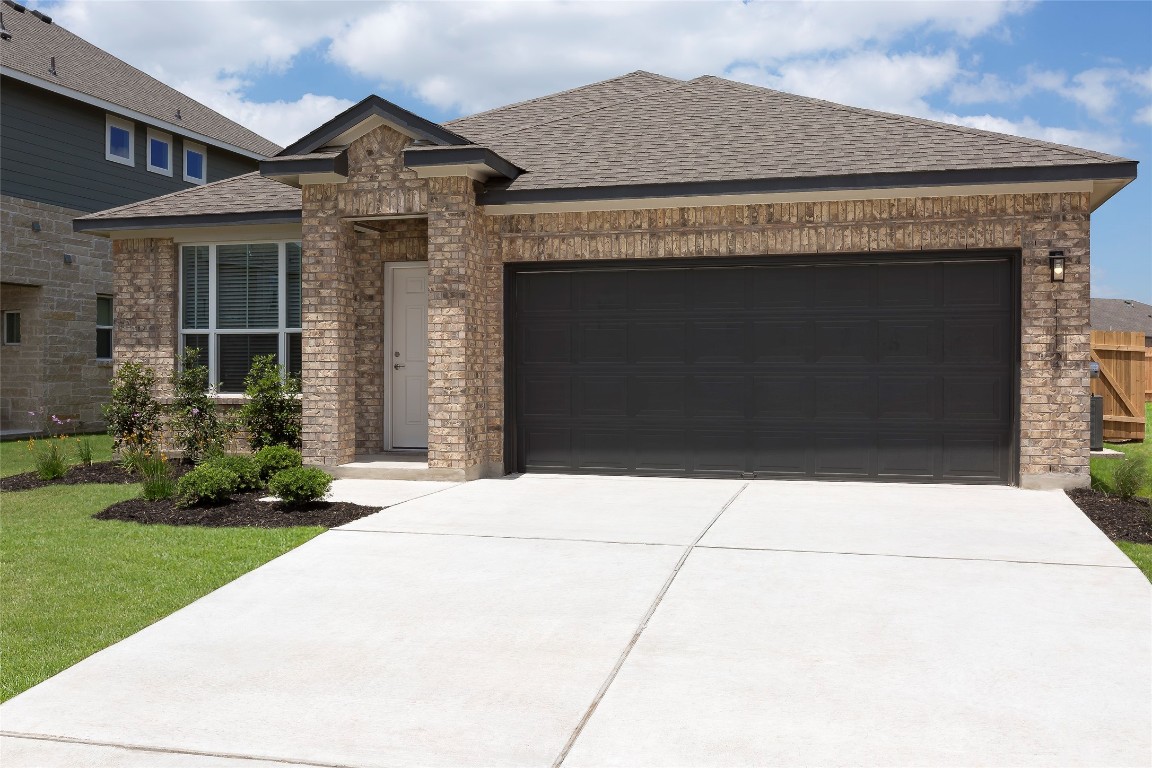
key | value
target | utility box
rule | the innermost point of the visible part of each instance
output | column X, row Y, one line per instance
column 1096, row 441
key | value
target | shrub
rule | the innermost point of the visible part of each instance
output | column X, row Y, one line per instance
column 245, row 468
column 156, row 477
column 300, row 485
column 1130, row 475
column 272, row 412
column 48, row 458
column 206, row 484
column 84, row 450
column 133, row 415
column 273, row 458
column 196, row 426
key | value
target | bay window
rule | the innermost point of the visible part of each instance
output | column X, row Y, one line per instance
column 238, row 301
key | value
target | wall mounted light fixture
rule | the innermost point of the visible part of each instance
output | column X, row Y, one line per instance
column 67, row 258
column 1056, row 264
column 35, row 226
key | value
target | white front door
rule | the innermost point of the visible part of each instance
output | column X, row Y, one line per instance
column 408, row 358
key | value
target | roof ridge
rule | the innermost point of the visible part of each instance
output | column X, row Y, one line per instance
column 679, row 84
column 895, row 117
column 170, row 194
column 561, row 93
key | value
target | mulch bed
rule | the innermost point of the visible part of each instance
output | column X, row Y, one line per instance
column 109, row 472
column 244, row 510
column 1120, row 520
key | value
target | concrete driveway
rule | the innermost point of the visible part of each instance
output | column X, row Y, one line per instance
column 538, row 621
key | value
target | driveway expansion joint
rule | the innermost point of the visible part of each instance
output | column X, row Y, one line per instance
column 640, row 630
column 913, row 557
column 510, row 538
column 174, row 750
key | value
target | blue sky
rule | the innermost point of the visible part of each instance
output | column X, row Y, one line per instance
column 1078, row 73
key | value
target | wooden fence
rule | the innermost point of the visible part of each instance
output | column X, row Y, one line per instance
column 1123, row 382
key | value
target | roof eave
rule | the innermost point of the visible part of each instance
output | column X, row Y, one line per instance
column 1103, row 179
column 124, row 223
column 479, row 163
column 295, row 171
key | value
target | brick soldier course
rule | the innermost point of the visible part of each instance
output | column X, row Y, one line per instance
column 447, row 216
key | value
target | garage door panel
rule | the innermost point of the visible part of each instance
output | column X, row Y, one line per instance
column 604, row 342
column 718, row 397
column 888, row 370
column 602, row 395
column 657, row 396
column 657, row 342
column 661, row 450
column 717, row 341
column 905, row 456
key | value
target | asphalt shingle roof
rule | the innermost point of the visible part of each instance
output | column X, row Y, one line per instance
column 1121, row 315
column 249, row 193
column 82, row 67
column 712, row 129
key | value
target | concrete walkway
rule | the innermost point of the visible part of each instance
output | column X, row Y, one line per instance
column 538, row 621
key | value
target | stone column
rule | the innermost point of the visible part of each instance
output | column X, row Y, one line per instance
column 463, row 334
column 146, row 302
column 329, row 324
column 1055, row 345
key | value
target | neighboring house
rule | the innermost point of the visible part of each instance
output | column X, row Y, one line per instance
column 1122, row 315
column 82, row 131
column 646, row 276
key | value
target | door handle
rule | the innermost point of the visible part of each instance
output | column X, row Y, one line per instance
column 397, row 366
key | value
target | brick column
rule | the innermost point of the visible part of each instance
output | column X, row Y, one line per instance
column 329, row 324
column 1054, row 345
column 146, row 302
column 462, row 332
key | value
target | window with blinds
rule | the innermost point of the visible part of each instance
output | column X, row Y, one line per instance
column 240, row 301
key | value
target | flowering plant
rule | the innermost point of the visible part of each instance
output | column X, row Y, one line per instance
column 133, row 416
column 196, row 426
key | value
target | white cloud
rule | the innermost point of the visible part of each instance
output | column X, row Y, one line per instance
column 1144, row 115
column 892, row 83
column 1099, row 91
column 1101, row 141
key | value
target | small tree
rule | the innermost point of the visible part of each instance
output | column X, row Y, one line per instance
column 196, row 426
column 133, row 415
column 272, row 413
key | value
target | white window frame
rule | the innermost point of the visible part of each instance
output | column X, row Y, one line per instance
column 155, row 135
column 127, row 125
column 191, row 146
column 110, row 328
column 212, row 332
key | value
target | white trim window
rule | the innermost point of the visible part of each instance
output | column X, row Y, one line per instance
column 195, row 162
column 119, row 140
column 103, row 327
column 159, row 152
column 238, row 301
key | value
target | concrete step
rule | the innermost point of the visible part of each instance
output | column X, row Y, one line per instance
column 394, row 466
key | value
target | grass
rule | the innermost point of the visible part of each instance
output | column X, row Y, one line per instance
column 1102, row 471
column 73, row 585
column 15, row 458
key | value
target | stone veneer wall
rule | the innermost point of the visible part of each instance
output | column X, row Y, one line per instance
column 1054, row 371
column 55, row 366
column 147, row 298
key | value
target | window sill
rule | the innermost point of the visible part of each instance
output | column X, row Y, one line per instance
column 104, row 361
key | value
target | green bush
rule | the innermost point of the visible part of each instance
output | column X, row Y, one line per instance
column 84, row 450
column 196, row 426
column 273, row 458
column 48, row 458
column 133, row 416
column 271, row 413
column 206, row 484
column 156, row 477
column 300, row 485
column 245, row 468
column 1130, row 475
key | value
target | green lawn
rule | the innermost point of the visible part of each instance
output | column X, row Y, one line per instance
column 15, row 457
column 1102, row 470
column 73, row 585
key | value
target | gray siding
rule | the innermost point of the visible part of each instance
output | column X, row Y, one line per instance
column 52, row 151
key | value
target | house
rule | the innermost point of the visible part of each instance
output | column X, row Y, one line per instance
column 1123, row 315
column 82, row 131
column 646, row 276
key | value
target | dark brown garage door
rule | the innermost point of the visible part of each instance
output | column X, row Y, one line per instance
column 878, row 369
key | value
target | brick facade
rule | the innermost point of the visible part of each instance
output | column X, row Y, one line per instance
column 345, row 357
column 55, row 365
